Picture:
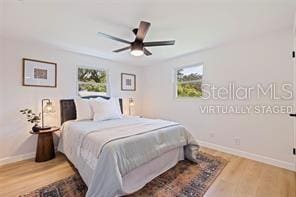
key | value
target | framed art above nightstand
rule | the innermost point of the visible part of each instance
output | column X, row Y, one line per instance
column 39, row 73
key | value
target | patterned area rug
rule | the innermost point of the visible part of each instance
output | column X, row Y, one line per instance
column 184, row 180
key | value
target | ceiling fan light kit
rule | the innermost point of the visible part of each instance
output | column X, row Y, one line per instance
column 138, row 47
column 137, row 52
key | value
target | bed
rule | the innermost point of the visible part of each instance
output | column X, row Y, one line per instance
column 118, row 157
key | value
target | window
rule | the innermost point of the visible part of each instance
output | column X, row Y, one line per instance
column 189, row 81
column 92, row 82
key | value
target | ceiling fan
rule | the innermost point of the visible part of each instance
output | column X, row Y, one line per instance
column 138, row 46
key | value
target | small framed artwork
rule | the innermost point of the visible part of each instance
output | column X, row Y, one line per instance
column 39, row 73
column 128, row 82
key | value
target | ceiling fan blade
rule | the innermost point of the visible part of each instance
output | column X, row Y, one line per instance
column 146, row 52
column 113, row 38
column 142, row 31
column 122, row 49
column 159, row 43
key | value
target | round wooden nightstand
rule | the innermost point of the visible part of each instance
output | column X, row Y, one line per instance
column 45, row 147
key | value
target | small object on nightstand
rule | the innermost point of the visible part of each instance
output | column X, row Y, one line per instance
column 131, row 103
column 32, row 118
column 45, row 147
column 47, row 108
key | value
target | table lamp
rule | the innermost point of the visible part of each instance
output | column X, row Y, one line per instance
column 130, row 105
column 47, row 107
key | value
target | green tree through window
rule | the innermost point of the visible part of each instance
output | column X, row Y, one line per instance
column 189, row 81
column 92, row 82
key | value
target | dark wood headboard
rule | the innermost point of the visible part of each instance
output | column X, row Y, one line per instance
column 68, row 109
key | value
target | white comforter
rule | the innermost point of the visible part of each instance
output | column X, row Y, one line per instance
column 103, row 152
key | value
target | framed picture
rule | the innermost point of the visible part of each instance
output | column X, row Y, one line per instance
column 128, row 82
column 39, row 73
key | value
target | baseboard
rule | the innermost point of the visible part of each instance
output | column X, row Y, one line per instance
column 7, row 160
column 252, row 156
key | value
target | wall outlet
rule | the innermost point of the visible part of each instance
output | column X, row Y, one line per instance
column 237, row 141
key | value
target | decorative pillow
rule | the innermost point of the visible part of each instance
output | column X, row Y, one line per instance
column 83, row 109
column 105, row 109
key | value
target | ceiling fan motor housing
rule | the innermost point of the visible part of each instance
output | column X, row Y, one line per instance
column 137, row 45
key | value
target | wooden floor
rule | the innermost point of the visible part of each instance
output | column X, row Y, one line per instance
column 240, row 178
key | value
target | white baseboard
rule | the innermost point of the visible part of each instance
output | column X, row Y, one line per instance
column 252, row 156
column 7, row 160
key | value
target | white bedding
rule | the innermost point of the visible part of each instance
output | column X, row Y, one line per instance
column 104, row 152
column 139, row 177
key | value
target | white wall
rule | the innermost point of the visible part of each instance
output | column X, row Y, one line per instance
column 1, row 55
column 14, row 137
column 258, row 60
column 265, row 59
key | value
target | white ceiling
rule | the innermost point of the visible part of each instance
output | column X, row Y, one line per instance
column 195, row 25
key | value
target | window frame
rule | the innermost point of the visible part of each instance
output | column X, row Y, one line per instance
column 193, row 81
column 108, row 89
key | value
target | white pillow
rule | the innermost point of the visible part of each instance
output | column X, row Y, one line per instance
column 83, row 109
column 112, row 99
column 98, row 99
column 117, row 104
column 105, row 109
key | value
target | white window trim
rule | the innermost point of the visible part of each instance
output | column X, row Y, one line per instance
column 193, row 81
column 108, row 93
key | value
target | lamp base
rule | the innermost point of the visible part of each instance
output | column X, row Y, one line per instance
column 44, row 128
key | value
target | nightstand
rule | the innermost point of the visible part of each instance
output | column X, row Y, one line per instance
column 45, row 147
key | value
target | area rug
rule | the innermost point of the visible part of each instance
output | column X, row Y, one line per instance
column 184, row 180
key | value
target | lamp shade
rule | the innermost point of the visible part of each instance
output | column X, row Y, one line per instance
column 131, row 102
column 49, row 108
